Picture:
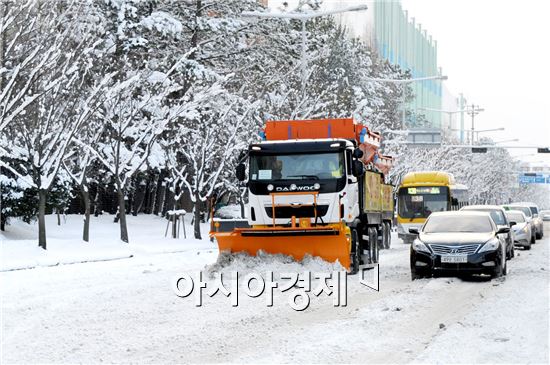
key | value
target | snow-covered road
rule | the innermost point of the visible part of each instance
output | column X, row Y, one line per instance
column 126, row 311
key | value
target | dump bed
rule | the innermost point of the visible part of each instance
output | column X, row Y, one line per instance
column 377, row 196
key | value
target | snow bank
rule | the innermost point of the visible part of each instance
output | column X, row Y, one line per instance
column 26, row 254
column 263, row 262
column 19, row 248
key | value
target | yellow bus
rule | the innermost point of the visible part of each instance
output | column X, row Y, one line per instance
column 422, row 193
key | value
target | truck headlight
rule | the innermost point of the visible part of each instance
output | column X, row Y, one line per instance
column 490, row 245
column 270, row 187
column 419, row 246
column 525, row 229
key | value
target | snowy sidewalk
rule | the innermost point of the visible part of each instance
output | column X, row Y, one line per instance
column 19, row 248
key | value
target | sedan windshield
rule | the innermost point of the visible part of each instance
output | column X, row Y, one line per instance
column 313, row 166
column 515, row 217
column 525, row 210
column 462, row 223
column 498, row 217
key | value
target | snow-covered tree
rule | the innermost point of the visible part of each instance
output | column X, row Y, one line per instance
column 132, row 119
column 35, row 141
column 79, row 165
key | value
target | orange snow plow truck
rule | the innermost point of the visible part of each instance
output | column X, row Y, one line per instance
column 315, row 187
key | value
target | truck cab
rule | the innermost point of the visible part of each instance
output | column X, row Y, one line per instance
column 302, row 178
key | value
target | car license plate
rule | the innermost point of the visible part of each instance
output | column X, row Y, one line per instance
column 455, row 259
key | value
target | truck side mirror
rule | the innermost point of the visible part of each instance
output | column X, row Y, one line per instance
column 357, row 168
column 357, row 153
column 512, row 224
column 241, row 172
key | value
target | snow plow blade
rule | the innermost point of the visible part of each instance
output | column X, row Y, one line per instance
column 331, row 243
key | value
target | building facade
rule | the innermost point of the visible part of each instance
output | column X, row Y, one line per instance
column 400, row 39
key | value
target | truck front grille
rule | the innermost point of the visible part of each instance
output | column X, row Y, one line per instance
column 298, row 212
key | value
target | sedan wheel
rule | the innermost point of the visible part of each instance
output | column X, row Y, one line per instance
column 500, row 269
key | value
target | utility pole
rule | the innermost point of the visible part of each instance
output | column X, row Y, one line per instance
column 475, row 110
column 461, row 107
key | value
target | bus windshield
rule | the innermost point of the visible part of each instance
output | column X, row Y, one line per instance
column 313, row 166
column 420, row 202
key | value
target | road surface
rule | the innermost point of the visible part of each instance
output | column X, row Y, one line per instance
column 126, row 311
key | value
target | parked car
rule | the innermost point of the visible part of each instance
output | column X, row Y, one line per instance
column 459, row 242
column 529, row 216
column 521, row 228
column 537, row 220
column 545, row 214
column 499, row 217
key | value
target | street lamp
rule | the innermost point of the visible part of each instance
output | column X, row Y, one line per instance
column 448, row 112
column 507, row 140
column 489, row 130
column 406, row 81
column 302, row 17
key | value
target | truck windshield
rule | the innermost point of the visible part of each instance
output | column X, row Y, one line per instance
column 315, row 166
column 420, row 202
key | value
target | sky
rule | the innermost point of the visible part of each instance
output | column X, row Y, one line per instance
column 497, row 54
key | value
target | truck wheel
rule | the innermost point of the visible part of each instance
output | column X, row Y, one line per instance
column 381, row 237
column 384, row 234
column 355, row 258
column 388, row 235
column 373, row 239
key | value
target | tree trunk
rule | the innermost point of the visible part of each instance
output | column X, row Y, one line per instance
column 58, row 216
column 159, row 206
column 122, row 216
column 160, row 192
column 168, row 197
column 86, row 197
column 97, row 202
column 42, row 195
column 241, row 203
column 139, row 197
column 152, row 195
column 197, row 217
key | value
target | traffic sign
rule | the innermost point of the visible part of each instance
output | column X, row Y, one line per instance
column 534, row 178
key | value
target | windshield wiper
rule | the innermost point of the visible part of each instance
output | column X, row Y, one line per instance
column 304, row 177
